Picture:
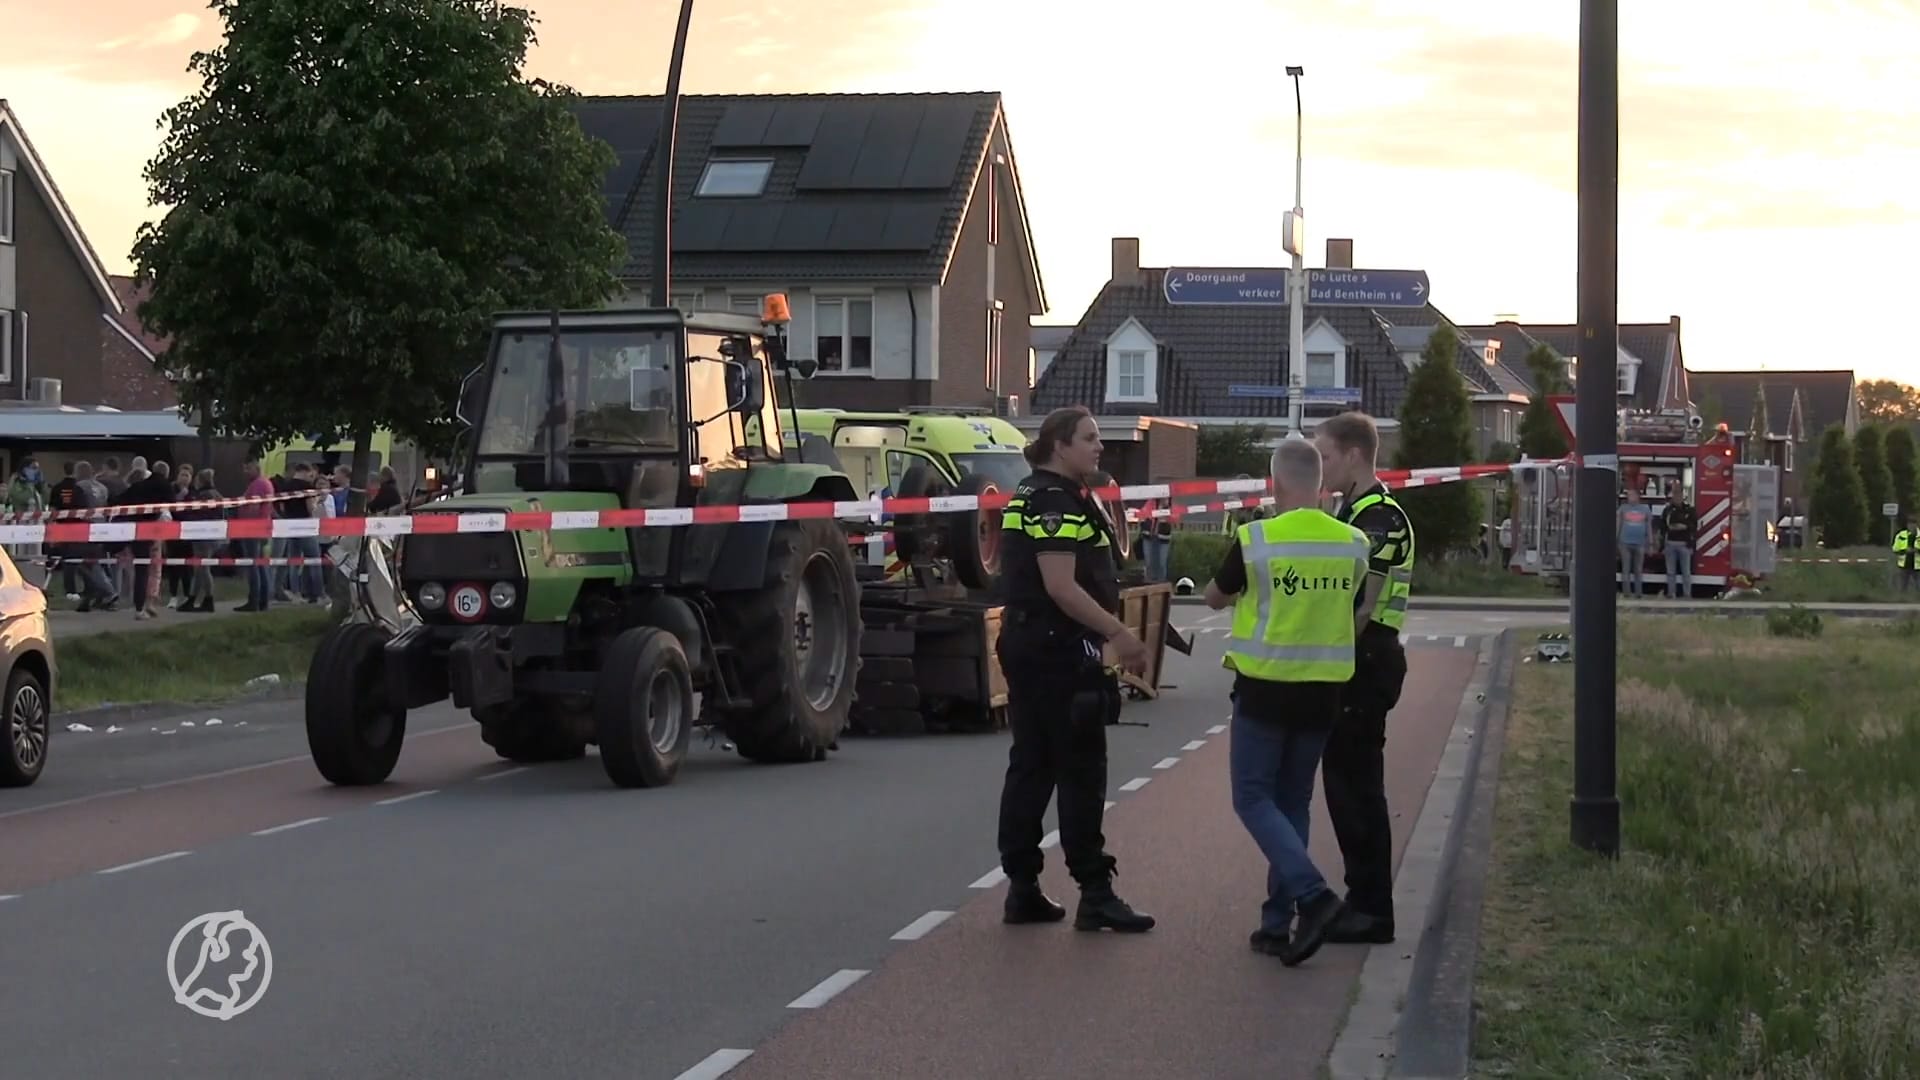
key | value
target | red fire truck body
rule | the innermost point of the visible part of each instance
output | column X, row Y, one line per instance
column 1734, row 504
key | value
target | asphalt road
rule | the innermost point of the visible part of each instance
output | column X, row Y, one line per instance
column 471, row 918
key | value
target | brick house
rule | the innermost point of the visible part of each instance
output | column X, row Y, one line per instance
column 895, row 224
column 1777, row 417
column 77, row 378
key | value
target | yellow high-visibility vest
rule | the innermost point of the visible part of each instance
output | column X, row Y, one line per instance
column 1294, row 620
column 1390, row 610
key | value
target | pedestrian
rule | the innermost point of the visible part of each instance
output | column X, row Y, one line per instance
column 148, row 491
column 1678, row 521
column 1292, row 579
column 1058, row 573
column 65, row 499
column 1906, row 553
column 1632, row 529
column 200, row 589
column 259, row 579
column 1156, row 539
column 1354, row 769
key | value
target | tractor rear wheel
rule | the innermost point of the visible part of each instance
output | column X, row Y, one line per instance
column 354, row 731
column 797, row 641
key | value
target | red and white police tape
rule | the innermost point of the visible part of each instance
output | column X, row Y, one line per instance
column 431, row 522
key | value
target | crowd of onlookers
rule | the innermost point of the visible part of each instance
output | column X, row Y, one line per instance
column 100, row 576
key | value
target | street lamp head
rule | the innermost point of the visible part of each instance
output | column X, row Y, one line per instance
column 1296, row 70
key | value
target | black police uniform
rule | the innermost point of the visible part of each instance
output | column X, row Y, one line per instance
column 1353, row 769
column 1060, row 699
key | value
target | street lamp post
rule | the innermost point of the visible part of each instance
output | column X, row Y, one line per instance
column 1296, row 243
column 1595, row 811
column 663, row 169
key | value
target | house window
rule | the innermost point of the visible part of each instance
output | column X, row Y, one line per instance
column 1787, row 458
column 6, row 346
column 737, row 178
column 993, row 203
column 1130, row 374
column 6, row 207
column 744, row 305
column 843, row 334
column 1320, row 369
column 994, row 317
column 1626, row 378
column 688, row 303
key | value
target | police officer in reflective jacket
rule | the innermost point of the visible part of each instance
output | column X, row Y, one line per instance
column 1353, row 770
column 1060, row 594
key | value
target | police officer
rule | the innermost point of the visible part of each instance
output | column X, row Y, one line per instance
column 1292, row 580
column 1057, row 571
column 1354, row 767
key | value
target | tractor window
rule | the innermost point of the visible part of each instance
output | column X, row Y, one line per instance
column 620, row 387
column 712, row 387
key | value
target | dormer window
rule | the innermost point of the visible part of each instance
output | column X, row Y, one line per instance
column 737, row 178
column 1133, row 365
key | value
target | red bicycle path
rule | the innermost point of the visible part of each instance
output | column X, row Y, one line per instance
column 975, row 998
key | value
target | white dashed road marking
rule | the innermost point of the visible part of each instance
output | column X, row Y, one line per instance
column 1195, row 744
column 137, row 864
column 921, row 926
column 1111, row 804
column 1166, row 763
column 714, row 1065
column 289, row 825
column 989, row 879
column 1216, row 729
column 408, row 796
column 9, row 896
column 1136, row 783
column 828, row 989
column 1459, row 641
column 521, row 769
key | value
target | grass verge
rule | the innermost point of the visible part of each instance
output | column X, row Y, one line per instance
column 1799, row 578
column 1763, row 919
column 193, row 662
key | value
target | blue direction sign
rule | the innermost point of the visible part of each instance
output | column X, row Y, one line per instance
column 1311, row 395
column 1260, row 286
column 1243, row 390
column 1367, row 288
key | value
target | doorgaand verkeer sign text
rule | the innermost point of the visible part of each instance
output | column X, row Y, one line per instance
column 1266, row 286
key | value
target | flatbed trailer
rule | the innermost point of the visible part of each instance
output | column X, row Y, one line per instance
column 928, row 661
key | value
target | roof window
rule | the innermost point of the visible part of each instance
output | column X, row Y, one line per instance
column 739, row 178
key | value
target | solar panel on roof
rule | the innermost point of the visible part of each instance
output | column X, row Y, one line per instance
column 938, row 145
column 890, row 138
column 858, row 228
column 911, row 226
column 700, row 226
column 744, row 124
column 836, row 146
column 751, row 227
column 794, row 124
column 803, row 228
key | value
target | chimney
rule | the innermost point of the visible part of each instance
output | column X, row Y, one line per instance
column 1339, row 254
column 1126, row 259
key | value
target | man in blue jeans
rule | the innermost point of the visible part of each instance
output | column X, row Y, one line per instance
column 1293, row 581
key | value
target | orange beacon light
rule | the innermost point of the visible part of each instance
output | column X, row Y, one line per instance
column 774, row 310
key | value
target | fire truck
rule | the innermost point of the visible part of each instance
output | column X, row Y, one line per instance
column 1735, row 504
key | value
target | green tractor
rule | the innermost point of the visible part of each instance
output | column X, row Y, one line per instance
column 604, row 635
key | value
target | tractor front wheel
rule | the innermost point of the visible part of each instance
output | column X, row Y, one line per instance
column 643, row 708
column 354, row 731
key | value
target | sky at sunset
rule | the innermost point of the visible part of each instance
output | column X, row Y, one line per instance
column 1438, row 136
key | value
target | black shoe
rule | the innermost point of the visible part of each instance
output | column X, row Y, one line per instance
column 1316, row 918
column 1357, row 928
column 249, row 607
column 1268, row 944
column 1026, row 903
column 1100, row 909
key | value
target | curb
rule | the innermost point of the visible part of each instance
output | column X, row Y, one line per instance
column 148, row 712
column 1395, row 980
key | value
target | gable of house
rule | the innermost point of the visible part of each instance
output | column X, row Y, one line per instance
column 809, row 187
column 31, row 169
column 1653, row 349
column 1800, row 404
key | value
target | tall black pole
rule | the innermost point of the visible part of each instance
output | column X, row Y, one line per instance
column 659, row 270
column 1596, row 804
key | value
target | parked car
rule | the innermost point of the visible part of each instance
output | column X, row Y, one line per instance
column 26, row 658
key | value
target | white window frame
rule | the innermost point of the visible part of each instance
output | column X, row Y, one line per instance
column 1332, row 362
column 688, row 303
column 6, row 346
column 845, row 301
column 996, row 342
column 1627, row 378
column 745, row 304
column 1321, row 339
column 1132, row 339
column 734, row 178
column 6, row 206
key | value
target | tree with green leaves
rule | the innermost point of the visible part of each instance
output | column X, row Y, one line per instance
column 1876, row 480
column 1901, row 467
column 354, row 189
column 1540, row 434
column 1839, row 504
column 1231, row 450
column 1436, row 428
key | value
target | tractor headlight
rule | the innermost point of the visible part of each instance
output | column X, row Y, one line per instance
column 503, row 594
column 433, row 596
